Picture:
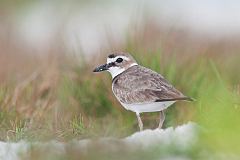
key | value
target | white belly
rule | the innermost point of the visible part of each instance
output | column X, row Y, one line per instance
column 148, row 107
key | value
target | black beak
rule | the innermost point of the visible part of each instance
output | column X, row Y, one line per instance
column 101, row 68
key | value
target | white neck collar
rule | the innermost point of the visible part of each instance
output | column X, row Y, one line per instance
column 114, row 71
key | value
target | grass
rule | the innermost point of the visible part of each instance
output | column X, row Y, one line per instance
column 56, row 97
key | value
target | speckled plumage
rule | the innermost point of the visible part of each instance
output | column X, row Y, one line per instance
column 138, row 84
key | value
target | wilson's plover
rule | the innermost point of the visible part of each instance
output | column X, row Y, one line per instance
column 139, row 89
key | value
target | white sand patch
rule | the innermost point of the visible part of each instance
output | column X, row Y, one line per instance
column 182, row 136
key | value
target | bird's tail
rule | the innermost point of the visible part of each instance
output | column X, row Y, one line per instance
column 176, row 99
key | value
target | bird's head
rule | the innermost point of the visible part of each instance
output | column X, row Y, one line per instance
column 117, row 63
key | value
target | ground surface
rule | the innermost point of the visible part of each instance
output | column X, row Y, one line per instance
column 181, row 137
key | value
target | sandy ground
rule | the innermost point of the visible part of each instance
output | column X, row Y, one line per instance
column 183, row 137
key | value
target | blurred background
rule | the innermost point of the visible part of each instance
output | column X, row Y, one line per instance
column 48, row 50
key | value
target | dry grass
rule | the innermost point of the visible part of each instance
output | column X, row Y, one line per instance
column 56, row 96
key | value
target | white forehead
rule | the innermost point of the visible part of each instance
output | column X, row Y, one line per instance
column 110, row 60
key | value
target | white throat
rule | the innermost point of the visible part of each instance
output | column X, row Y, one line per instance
column 117, row 70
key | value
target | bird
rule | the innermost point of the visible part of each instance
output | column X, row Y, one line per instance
column 140, row 89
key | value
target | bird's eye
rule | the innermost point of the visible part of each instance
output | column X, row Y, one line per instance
column 119, row 60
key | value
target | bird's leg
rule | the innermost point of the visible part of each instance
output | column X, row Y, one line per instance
column 140, row 124
column 162, row 118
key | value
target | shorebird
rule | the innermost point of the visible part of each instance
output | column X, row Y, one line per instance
column 138, row 88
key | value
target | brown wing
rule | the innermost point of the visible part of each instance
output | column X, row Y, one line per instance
column 142, row 85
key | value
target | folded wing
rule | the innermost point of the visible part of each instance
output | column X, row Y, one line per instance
column 142, row 85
